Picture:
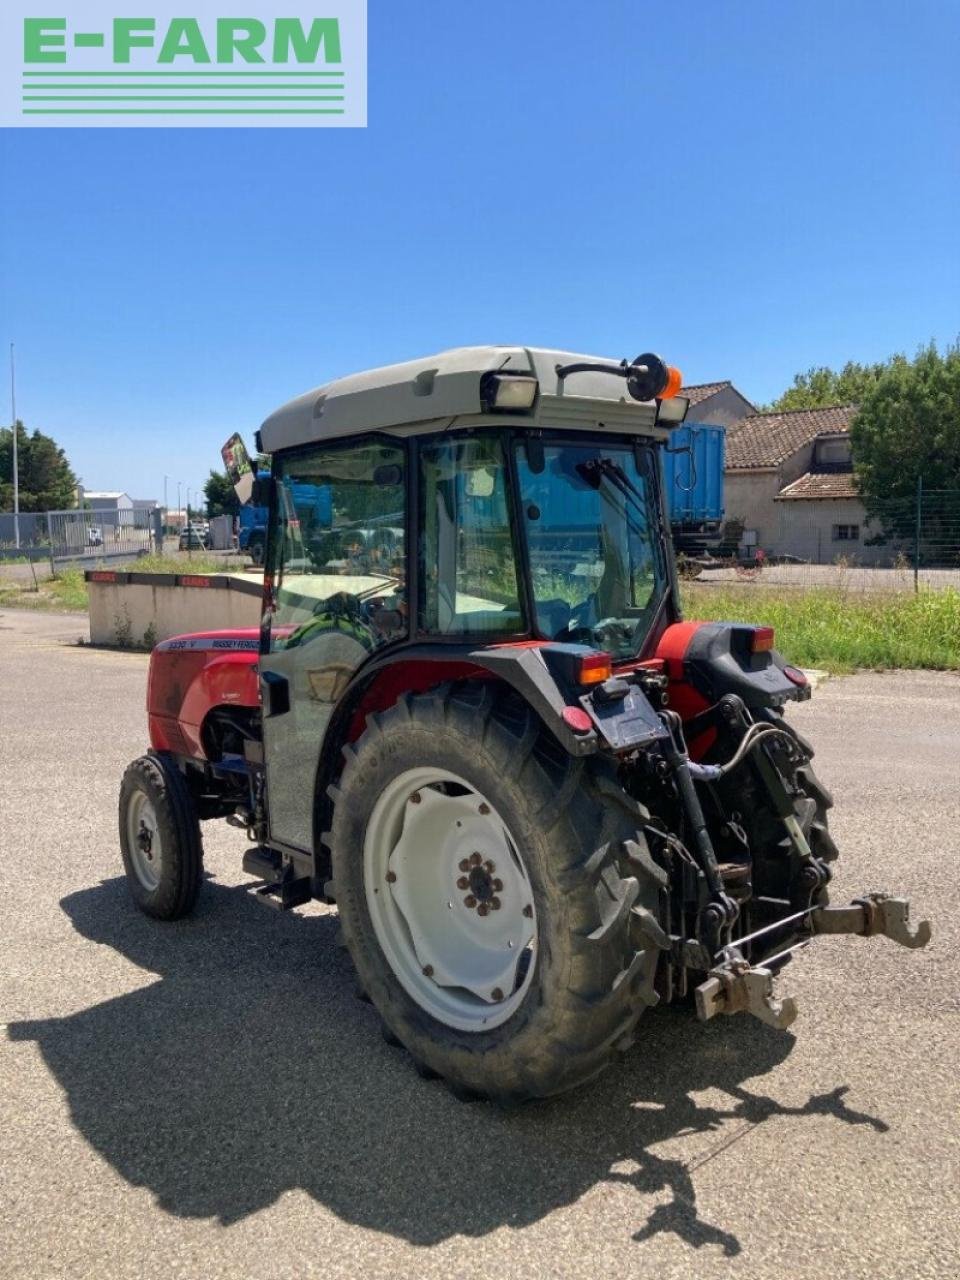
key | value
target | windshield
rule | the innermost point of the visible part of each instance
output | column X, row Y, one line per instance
column 591, row 528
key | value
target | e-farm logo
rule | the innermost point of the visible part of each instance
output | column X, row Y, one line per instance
column 273, row 64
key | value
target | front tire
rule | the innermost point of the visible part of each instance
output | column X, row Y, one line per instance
column 160, row 838
column 528, row 998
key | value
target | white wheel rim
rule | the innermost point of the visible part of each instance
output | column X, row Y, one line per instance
column 450, row 899
column 143, row 840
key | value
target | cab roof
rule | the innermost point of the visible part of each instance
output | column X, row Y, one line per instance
column 422, row 394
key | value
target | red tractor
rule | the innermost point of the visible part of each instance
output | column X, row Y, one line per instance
column 473, row 718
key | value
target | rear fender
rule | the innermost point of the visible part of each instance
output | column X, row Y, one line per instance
column 706, row 660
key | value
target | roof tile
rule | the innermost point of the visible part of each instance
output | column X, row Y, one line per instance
column 767, row 439
column 821, row 484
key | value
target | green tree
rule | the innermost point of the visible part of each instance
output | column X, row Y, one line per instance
column 823, row 386
column 47, row 482
column 908, row 427
column 220, row 497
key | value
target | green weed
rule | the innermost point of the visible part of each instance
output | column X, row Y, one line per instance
column 840, row 630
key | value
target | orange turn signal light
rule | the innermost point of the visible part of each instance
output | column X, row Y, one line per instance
column 762, row 639
column 674, row 383
column 595, row 668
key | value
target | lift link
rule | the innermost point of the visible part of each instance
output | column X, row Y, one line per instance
column 735, row 986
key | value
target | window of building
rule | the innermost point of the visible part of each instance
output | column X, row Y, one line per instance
column 846, row 533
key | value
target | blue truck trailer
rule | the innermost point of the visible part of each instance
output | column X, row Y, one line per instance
column 693, row 482
column 315, row 499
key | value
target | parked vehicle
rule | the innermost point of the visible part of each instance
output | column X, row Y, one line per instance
column 193, row 538
column 314, row 504
column 541, row 800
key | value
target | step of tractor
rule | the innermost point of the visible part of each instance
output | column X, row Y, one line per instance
column 285, row 894
column 282, row 890
column 263, row 863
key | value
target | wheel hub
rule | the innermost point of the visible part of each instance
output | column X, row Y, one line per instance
column 450, row 899
column 145, row 844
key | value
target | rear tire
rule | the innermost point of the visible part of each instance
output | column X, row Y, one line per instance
column 160, row 838
column 570, row 838
column 257, row 551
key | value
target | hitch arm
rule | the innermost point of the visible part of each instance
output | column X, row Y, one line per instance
column 735, row 987
column 873, row 914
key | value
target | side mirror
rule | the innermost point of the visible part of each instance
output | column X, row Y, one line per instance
column 239, row 468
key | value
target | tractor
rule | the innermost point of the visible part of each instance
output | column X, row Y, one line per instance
column 474, row 718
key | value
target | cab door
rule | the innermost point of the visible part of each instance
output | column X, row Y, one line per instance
column 338, row 557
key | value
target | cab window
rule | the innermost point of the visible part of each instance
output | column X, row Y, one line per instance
column 338, row 546
column 468, row 572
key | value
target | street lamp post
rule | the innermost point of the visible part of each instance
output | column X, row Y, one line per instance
column 16, row 468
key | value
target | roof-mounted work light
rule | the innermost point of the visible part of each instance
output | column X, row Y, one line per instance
column 508, row 392
column 670, row 413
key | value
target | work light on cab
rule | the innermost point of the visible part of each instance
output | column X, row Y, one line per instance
column 508, row 392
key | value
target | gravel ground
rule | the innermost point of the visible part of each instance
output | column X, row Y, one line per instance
column 209, row 1099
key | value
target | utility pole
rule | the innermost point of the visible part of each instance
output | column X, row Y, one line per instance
column 16, row 468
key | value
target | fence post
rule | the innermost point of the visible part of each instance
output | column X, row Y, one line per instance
column 916, row 545
column 53, row 572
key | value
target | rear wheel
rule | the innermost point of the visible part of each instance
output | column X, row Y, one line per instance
column 257, row 551
column 499, row 903
column 160, row 838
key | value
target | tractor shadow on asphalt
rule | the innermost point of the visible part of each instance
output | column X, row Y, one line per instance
column 250, row 1068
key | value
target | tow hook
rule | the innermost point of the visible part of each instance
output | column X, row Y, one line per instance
column 736, row 987
column 873, row 914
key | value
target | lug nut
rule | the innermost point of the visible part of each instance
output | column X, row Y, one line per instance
column 463, row 883
column 489, row 866
column 470, row 901
column 415, row 798
column 390, row 877
column 464, row 865
column 484, row 807
column 495, row 903
column 483, row 909
column 428, row 970
column 496, row 994
column 497, row 886
column 528, row 912
column 475, row 859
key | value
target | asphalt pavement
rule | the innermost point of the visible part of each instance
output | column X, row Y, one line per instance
column 209, row 1098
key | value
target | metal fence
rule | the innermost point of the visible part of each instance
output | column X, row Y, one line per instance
column 900, row 544
column 82, row 535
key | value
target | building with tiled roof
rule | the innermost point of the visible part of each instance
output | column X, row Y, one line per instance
column 789, row 482
column 770, row 439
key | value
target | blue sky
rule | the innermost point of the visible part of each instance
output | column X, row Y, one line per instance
column 747, row 186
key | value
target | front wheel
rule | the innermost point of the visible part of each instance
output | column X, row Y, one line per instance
column 160, row 838
column 495, row 894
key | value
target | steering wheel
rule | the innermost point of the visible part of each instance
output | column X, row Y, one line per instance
column 612, row 632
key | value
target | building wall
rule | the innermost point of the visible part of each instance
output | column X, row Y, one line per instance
column 749, row 496
column 722, row 409
column 805, row 529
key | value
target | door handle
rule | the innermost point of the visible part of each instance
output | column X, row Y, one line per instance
column 276, row 693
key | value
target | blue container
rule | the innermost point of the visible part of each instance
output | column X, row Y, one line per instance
column 693, row 482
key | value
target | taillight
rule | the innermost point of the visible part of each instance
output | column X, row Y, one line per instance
column 795, row 676
column 594, row 668
column 761, row 639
